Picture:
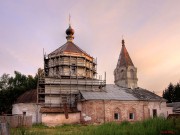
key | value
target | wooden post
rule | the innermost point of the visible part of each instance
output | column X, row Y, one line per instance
column 4, row 130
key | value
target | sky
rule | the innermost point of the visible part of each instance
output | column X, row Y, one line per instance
column 151, row 30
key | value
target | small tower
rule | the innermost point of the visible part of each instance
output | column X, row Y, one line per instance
column 125, row 73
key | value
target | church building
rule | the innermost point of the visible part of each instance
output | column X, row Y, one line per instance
column 69, row 92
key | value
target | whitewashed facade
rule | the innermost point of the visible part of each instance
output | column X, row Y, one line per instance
column 28, row 109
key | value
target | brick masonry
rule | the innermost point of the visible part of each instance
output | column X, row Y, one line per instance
column 99, row 111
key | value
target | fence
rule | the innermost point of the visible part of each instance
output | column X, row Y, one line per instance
column 17, row 120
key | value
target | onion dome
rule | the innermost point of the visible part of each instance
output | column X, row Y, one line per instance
column 69, row 46
column 70, row 33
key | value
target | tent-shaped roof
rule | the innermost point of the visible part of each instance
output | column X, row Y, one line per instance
column 68, row 47
column 124, row 58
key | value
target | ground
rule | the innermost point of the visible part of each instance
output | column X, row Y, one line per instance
column 147, row 127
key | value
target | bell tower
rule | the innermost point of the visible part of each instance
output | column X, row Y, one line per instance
column 125, row 74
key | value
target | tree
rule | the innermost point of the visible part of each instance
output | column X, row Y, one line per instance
column 177, row 92
column 172, row 93
column 12, row 87
column 4, row 80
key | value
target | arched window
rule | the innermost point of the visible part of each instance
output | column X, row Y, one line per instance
column 131, row 73
column 117, row 114
column 132, row 114
column 122, row 75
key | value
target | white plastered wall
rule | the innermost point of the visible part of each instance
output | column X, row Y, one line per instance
column 31, row 109
column 54, row 119
column 162, row 109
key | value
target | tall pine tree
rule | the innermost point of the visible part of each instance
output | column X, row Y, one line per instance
column 172, row 93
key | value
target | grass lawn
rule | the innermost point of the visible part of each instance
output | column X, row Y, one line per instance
column 147, row 127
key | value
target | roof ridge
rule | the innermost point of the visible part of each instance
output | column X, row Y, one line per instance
column 69, row 47
column 81, row 50
column 28, row 96
column 59, row 48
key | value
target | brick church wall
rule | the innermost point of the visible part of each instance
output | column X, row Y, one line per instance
column 99, row 111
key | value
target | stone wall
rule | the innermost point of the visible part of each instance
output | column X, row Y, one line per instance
column 30, row 109
column 126, row 76
column 99, row 111
column 54, row 119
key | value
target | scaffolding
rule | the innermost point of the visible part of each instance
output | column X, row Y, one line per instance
column 64, row 77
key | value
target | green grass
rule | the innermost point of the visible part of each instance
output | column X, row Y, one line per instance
column 147, row 127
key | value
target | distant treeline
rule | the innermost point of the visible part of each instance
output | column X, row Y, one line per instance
column 12, row 87
column 172, row 93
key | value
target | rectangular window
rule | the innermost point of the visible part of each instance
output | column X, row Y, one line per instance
column 116, row 116
column 131, row 116
column 154, row 113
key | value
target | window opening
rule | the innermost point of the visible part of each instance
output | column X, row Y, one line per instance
column 154, row 113
column 131, row 73
column 73, row 69
column 116, row 116
column 131, row 116
column 24, row 113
